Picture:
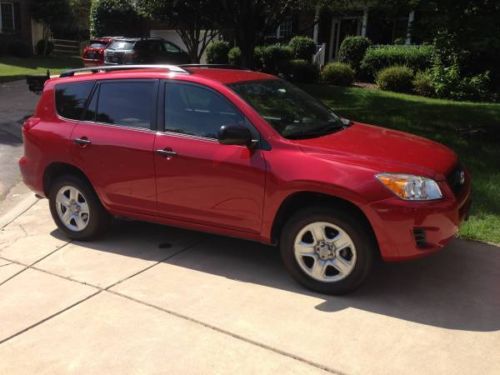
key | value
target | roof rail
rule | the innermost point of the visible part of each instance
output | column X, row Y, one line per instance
column 216, row 66
column 107, row 68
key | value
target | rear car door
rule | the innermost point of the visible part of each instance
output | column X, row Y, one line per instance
column 113, row 145
column 198, row 179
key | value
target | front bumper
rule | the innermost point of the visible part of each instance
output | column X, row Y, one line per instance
column 407, row 230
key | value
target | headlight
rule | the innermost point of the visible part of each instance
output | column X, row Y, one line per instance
column 409, row 187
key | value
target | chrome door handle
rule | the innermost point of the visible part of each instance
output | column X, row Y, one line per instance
column 82, row 141
column 166, row 153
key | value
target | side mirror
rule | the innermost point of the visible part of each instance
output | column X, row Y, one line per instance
column 235, row 135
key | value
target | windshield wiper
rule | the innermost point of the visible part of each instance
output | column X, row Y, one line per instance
column 325, row 130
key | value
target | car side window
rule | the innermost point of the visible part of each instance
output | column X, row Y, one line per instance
column 195, row 110
column 71, row 98
column 171, row 48
column 126, row 103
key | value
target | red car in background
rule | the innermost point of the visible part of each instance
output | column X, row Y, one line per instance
column 93, row 54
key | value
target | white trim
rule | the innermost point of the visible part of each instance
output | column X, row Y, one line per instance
column 411, row 19
column 364, row 23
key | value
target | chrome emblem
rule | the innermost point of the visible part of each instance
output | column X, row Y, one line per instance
column 462, row 177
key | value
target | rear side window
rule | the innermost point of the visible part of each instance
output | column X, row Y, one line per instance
column 126, row 103
column 71, row 98
column 120, row 44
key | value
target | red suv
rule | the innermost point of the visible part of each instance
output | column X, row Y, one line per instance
column 242, row 154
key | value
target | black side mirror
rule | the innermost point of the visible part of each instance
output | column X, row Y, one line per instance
column 235, row 135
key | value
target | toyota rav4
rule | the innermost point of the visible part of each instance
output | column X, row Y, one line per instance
column 243, row 154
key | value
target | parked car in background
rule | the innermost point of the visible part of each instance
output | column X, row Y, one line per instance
column 243, row 154
column 144, row 51
column 93, row 54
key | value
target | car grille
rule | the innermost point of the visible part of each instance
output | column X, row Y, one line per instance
column 456, row 179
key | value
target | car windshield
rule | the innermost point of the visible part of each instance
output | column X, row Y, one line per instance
column 289, row 110
column 121, row 44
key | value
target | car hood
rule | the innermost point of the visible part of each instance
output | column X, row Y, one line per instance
column 383, row 150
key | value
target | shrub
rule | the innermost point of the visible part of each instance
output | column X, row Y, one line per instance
column 337, row 73
column 450, row 83
column 302, row 47
column 353, row 49
column 275, row 58
column 258, row 56
column 217, row 52
column 380, row 57
column 300, row 70
column 234, row 56
column 40, row 47
column 422, row 84
column 395, row 78
column 18, row 48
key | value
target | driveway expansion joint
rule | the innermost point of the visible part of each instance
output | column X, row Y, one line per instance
column 107, row 289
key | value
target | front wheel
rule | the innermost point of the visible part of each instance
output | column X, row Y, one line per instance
column 327, row 250
column 76, row 209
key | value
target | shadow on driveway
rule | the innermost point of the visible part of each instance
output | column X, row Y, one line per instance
column 458, row 288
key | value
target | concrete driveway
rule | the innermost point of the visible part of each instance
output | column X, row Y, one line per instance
column 152, row 299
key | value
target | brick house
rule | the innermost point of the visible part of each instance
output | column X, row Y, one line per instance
column 15, row 21
column 329, row 28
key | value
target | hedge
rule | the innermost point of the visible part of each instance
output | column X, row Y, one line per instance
column 380, row 57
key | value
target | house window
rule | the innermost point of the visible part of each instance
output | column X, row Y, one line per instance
column 7, row 17
column 285, row 28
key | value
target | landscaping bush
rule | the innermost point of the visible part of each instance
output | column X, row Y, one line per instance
column 40, row 47
column 302, row 71
column 18, row 48
column 217, row 52
column 395, row 78
column 380, row 57
column 353, row 49
column 422, row 84
column 340, row 74
column 302, row 47
column 275, row 58
column 234, row 56
column 450, row 83
column 258, row 57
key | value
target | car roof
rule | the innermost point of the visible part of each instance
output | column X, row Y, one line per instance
column 223, row 76
column 124, row 39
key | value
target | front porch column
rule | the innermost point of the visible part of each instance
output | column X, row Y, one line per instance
column 316, row 25
column 364, row 23
column 411, row 18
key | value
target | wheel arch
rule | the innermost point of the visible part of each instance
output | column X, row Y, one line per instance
column 298, row 200
column 57, row 169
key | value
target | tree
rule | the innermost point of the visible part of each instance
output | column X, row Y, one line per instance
column 252, row 20
column 53, row 15
column 196, row 21
column 115, row 17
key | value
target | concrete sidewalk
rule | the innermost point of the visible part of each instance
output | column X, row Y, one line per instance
column 152, row 299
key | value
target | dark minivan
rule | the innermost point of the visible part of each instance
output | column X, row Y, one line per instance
column 144, row 51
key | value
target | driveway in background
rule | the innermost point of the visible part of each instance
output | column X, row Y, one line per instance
column 16, row 103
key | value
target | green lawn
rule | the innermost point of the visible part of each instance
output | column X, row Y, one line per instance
column 12, row 68
column 439, row 120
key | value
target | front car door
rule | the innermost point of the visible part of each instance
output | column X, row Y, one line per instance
column 198, row 179
column 113, row 146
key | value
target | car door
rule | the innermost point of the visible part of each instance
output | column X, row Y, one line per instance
column 113, row 145
column 197, row 179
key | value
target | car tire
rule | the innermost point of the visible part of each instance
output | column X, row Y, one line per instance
column 76, row 209
column 328, row 250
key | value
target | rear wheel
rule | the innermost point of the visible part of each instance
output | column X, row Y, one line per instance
column 326, row 250
column 76, row 209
